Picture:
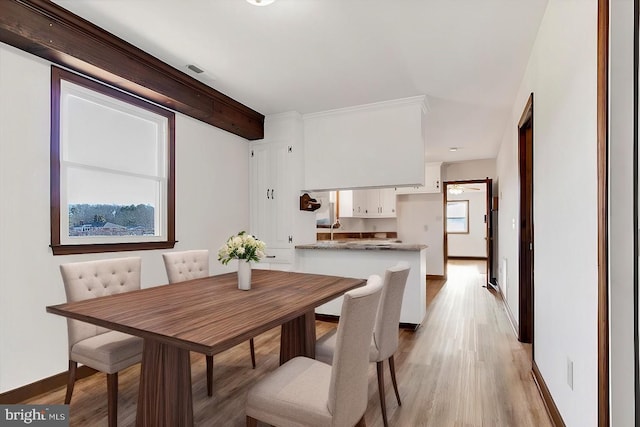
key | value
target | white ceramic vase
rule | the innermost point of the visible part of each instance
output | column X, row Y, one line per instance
column 244, row 275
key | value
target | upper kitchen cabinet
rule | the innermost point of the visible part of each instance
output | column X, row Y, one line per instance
column 374, row 145
column 387, row 202
column 276, row 177
column 433, row 178
column 432, row 181
column 370, row 203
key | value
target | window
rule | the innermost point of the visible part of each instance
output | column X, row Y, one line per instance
column 458, row 216
column 112, row 169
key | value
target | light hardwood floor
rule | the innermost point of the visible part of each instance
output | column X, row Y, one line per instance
column 463, row 367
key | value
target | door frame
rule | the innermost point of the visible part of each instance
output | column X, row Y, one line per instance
column 526, row 246
column 488, row 182
column 603, row 203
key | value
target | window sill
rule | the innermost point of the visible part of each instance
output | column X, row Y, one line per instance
column 110, row 247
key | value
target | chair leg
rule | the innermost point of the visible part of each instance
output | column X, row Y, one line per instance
column 251, row 422
column 112, row 399
column 379, row 366
column 253, row 353
column 392, row 368
column 209, row 375
column 71, row 381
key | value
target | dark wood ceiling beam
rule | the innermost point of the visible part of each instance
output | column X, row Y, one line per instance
column 51, row 32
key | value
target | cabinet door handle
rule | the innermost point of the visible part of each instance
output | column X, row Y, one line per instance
column 271, row 256
column 272, row 198
column 267, row 193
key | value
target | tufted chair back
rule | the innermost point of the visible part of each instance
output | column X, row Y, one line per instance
column 93, row 279
column 186, row 265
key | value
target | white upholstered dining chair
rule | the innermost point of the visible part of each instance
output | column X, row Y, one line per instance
column 100, row 348
column 307, row 392
column 194, row 264
column 384, row 341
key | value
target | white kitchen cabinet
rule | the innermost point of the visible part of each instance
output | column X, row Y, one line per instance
column 360, row 203
column 362, row 263
column 276, row 176
column 381, row 203
column 271, row 194
column 387, row 202
column 345, row 203
column 432, row 181
column 336, row 140
column 369, row 203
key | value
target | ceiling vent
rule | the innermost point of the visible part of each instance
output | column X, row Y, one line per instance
column 195, row 69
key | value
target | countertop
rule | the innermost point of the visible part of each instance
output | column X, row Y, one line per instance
column 355, row 244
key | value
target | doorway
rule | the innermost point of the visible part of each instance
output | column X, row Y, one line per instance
column 525, row 271
column 468, row 230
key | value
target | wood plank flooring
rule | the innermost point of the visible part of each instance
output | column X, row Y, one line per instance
column 463, row 367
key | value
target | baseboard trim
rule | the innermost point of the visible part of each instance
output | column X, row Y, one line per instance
column 436, row 277
column 549, row 404
column 44, row 385
column 468, row 258
column 334, row 319
column 512, row 319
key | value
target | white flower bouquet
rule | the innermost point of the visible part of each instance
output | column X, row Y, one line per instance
column 242, row 246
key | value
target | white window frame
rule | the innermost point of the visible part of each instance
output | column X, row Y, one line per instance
column 466, row 217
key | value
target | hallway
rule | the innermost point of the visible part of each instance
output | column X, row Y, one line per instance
column 465, row 366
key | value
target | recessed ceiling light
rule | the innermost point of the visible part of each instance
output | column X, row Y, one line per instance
column 453, row 149
column 260, row 2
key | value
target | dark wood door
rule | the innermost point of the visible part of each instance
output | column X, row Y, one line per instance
column 525, row 276
column 489, row 232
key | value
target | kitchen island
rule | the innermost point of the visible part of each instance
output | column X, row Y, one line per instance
column 362, row 258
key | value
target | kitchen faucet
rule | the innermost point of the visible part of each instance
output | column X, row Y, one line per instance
column 334, row 225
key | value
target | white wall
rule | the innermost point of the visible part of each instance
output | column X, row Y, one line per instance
column 472, row 244
column 473, row 169
column 420, row 220
column 562, row 75
column 621, row 233
column 420, row 216
column 210, row 206
column 369, row 225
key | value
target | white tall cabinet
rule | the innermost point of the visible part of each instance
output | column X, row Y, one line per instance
column 276, row 177
column 271, row 192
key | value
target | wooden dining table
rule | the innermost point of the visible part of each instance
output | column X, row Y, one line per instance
column 206, row 315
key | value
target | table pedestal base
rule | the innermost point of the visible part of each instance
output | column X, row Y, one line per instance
column 298, row 337
column 164, row 397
